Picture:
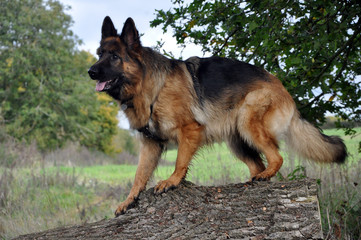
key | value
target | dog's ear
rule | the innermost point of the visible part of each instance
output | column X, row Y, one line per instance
column 130, row 34
column 108, row 29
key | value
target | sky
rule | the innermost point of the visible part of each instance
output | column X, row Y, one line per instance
column 88, row 16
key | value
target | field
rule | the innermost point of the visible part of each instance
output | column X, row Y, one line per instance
column 73, row 186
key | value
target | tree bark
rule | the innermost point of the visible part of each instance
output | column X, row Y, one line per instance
column 262, row 210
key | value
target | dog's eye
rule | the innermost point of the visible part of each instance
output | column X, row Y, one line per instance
column 115, row 57
column 100, row 55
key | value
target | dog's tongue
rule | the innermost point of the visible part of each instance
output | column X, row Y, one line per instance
column 100, row 86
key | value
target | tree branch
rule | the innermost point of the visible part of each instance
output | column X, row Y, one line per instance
column 225, row 42
column 348, row 43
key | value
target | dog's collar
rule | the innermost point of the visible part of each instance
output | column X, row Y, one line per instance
column 127, row 103
column 148, row 133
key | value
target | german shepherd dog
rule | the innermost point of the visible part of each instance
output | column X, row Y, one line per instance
column 200, row 101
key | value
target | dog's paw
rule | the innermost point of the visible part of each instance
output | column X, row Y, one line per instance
column 263, row 176
column 124, row 206
column 165, row 186
column 260, row 179
column 266, row 175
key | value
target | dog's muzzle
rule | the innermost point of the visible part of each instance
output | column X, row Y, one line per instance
column 93, row 72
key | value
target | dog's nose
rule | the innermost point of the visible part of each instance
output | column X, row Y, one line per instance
column 93, row 72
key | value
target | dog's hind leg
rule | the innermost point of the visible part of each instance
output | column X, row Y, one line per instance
column 250, row 156
column 267, row 144
column 263, row 118
column 189, row 140
column 274, row 159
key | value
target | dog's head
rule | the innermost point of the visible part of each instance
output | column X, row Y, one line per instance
column 119, row 64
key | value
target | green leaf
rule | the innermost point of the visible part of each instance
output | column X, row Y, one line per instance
column 252, row 26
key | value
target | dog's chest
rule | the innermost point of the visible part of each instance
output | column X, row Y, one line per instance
column 162, row 127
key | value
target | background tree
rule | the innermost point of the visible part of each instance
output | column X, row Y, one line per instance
column 45, row 93
column 313, row 47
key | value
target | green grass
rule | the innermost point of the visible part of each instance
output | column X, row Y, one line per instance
column 110, row 174
column 212, row 165
column 217, row 165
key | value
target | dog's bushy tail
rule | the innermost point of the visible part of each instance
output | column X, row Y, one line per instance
column 309, row 143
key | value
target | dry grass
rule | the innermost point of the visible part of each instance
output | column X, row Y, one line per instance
column 35, row 195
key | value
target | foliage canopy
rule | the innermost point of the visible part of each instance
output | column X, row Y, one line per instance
column 45, row 93
column 313, row 47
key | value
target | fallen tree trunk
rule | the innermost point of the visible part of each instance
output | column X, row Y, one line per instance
column 263, row 210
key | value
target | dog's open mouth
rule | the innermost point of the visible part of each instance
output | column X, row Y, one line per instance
column 103, row 86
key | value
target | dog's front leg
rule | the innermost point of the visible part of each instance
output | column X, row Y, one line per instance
column 189, row 140
column 150, row 153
